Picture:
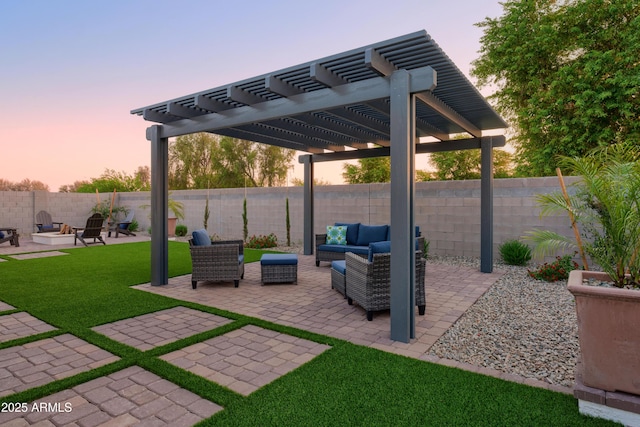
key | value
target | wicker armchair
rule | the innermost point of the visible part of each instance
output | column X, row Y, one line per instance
column 369, row 283
column 222, row 261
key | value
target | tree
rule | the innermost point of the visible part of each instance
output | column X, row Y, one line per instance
column 465, row 164
column 204, row 160
column 566, row 74
column 373, row 169
column 24, row 185
column 297, row 182
column 111, row 180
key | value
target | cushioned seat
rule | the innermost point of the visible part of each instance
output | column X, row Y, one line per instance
column 338, row 280
column 279, row 268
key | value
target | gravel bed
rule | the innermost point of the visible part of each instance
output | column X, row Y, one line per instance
column 520, row 325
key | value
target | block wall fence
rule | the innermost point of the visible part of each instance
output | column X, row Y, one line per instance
column 448, row 212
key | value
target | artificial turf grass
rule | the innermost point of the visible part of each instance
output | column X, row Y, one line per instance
column 346, row 385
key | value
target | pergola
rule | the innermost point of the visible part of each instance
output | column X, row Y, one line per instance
column 378, row 100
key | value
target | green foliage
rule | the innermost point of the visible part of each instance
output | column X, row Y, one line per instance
column 374, row 169
column 207, row 212
column 181, row 230
column 104, row 208
column 425, row 249
column 134, row 226
column 203, row 160
column 245, row 221
column 465, row 164
column 606, row 206
column 557, row 270
column 566, row 75
column 514, row 252
column 112, row 180
column 262, row 242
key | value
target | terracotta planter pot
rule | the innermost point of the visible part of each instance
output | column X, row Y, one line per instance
column 171, row 226
column 609, row 333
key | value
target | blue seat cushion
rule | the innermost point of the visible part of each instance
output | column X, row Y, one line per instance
column 240, row 259
column 279, row 259
column 359, row 250
column 379, row 248
column 333, row 248
column 371, row 233
column 1, row 235
column 340, row 266
column 201, row 238
column 124, row 226
column 352, row 232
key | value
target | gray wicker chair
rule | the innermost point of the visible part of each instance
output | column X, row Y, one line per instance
column 369, row 283
column 222, row 261
column 9, row 235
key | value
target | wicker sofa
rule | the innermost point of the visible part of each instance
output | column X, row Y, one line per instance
column 358, row 238
column 218, row 261
column 368, row 283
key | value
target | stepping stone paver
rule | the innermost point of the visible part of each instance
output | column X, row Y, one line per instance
column 36, row 255
column 132, row 396
column 44, row 361
column 162, row 327
column 246, row 359
column 20, row 325
column 5, row 307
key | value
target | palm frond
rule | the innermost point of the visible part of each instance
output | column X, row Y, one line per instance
column 547, row 242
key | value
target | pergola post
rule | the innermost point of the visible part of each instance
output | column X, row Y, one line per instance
column 159, row 207
column 308, row 204
column 486, row 205
column 402, row 125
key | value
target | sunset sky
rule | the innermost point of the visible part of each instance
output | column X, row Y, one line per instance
column 71, row 71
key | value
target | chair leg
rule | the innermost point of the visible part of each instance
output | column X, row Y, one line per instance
column 194, row 284
column 421, row 310
column 236, row 283
column 369, row 316
column 317, row 263
column 349, row 301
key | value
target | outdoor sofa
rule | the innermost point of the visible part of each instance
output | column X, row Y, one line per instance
column 331, row 246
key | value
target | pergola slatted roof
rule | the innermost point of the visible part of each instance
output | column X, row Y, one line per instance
column 387, row 94
column 353, row 125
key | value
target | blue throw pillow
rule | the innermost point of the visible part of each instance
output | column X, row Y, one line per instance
column 371, row 233
column 336, row 235
column 1, row 235
column 379, row 248
column 352, row 232
column 201, row 238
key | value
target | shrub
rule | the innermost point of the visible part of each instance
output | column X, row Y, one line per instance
column 134, row 226
column 262, row 242
column 514, row 252
column 557, row 270
column 181, row 230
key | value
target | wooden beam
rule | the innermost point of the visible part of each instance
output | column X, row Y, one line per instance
column 448, row 113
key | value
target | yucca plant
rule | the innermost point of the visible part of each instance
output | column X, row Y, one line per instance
column 606, row 206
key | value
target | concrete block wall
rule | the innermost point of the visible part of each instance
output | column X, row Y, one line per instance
column 448, row 212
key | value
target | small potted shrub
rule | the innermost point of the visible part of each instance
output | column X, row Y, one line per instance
column 606, row 206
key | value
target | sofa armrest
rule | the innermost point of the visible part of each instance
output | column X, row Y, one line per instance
column 240, row 244
column 321, row 239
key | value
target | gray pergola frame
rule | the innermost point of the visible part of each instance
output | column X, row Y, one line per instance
column 390, row 94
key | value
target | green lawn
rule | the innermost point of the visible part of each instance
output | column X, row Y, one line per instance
column 346, row 385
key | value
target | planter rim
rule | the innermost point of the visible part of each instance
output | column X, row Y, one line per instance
column 577, row 288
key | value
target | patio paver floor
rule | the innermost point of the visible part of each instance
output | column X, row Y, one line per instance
column 44, row 361
column 246, row 359
column 132, row 396
column 20, row 325
column 5, row 307
column 161, row 327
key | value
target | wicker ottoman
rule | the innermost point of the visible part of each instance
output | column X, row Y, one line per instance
column 279, row 268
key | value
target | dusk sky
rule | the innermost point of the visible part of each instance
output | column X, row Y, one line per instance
column 71, row 71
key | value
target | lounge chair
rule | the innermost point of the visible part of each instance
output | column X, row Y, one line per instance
column 220, row 261
column 9, row 235
column 122, row 227
column 368, row 282
column 92, row 230
column 45, row 224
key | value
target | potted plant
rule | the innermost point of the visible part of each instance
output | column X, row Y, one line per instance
column 178, row 213
column 606, row 206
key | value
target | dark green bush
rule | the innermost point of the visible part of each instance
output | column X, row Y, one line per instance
column 514, row 252
column 181, row 230
column 557, row 270
column 262, row 242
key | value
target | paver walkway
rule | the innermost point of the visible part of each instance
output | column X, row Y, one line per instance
column 20, row 325
column 132, row 396
column 312, row 304
column 246, row 359
column 44, row 361
column 5, row 307
column 162, row 327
